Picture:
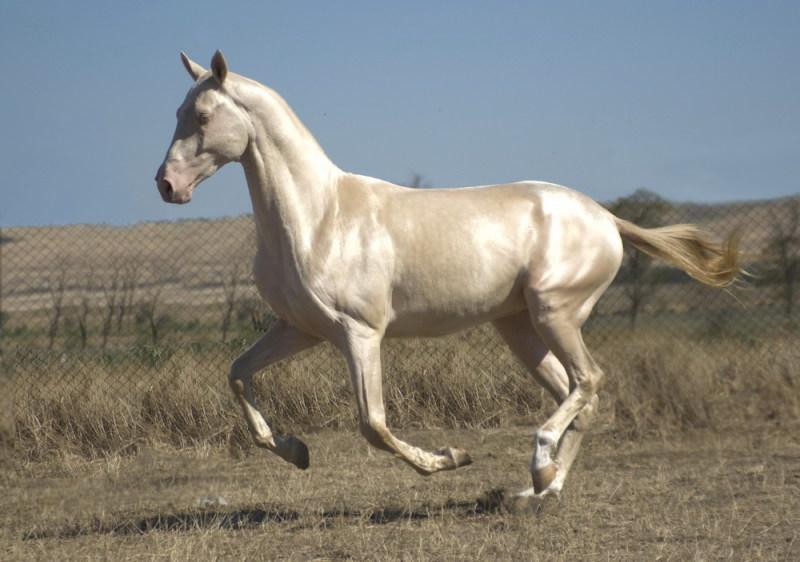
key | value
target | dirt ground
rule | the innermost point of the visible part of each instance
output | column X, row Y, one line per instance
column 698, row 496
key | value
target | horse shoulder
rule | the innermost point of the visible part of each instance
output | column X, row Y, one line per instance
column 347, row 275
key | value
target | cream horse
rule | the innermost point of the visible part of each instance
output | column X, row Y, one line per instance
column 352, row 260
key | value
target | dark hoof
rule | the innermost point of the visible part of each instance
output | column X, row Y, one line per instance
column 292, row 450
column 460, row 457
column 300, row 454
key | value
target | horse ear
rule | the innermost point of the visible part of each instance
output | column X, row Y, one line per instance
column 194, row 69
column 219, row 67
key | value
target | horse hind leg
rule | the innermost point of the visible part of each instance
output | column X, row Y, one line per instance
column 561, row 333
column 518, row 333
column 569, row 446
column 526, row 344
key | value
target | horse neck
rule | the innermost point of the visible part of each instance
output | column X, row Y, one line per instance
column 291, row 180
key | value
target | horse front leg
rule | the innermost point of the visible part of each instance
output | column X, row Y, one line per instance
column 363, row 354
column 280, row 342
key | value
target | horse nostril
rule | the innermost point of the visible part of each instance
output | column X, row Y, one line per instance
column 167, row 188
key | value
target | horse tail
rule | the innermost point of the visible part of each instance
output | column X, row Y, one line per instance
column 689, row 248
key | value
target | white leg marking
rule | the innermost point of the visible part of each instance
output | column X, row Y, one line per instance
column 545, row 443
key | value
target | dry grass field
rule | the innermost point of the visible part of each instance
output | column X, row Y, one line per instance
column 687, row 463
column 728, row 495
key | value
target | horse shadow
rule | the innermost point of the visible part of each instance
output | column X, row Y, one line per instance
column 235, row 519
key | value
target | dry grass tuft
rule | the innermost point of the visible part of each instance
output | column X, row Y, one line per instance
column 662, row 388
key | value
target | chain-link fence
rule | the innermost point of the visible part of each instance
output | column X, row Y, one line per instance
column 100, row 309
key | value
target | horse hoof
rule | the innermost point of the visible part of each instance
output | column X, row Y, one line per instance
column 460, row 457
column 295, row 452
column 457, row 457
column 543, row 477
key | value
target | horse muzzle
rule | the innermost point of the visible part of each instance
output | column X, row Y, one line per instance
column 172, row 190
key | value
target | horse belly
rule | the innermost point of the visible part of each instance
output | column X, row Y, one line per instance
column 439, row 308
column 460, row 268
column 430, row 324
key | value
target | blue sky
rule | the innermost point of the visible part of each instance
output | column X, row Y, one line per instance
column 694, row 100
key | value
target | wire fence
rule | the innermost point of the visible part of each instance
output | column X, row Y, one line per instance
column 88, row 303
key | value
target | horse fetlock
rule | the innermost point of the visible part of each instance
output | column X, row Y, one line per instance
column 544, row 440
column 446, row 458
column 543, row 467
column 263, row 441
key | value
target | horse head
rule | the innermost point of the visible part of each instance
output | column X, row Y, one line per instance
column 212, row 130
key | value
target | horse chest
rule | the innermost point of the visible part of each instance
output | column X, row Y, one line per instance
column 282, row 289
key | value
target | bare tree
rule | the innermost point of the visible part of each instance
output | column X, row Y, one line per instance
column 784, row 248
column 254, row 309
column 82, row 318
column 418, row 181
column 83, row 308
column 56, row 285
column 151, row 309
column 151, row 312
column 111, row 290
column 230, row 279
column 646, row 209
column 129, row 281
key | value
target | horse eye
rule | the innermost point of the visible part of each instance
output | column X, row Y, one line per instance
column 203, row 118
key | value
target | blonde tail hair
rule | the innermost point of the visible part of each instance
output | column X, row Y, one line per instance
column 687, row 247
